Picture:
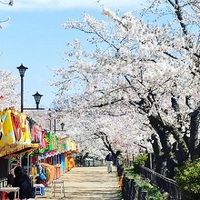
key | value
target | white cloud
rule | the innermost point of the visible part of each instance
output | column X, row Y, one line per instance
column 71, row 4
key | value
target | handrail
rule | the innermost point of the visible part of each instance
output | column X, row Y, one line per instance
column 167, row 184
column 159, row 175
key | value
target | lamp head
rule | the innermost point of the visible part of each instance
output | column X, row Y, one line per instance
column 37, row 98
column 62, row 126
column 22, row 70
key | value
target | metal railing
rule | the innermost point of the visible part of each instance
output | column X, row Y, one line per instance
column 93, row 163
column 128, row 188
column 168, row 185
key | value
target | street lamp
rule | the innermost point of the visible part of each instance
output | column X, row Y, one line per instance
column 22, row 71
column 37, row 98
column 62, row 126
column 53, row 118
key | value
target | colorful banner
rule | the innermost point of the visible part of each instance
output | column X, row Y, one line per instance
column 14, row 128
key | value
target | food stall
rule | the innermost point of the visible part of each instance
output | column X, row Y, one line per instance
column 15, row 139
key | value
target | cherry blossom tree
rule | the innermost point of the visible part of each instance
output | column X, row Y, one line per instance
column 9, row 97
column 149, row 70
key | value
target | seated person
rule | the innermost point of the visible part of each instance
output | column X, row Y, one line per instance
column 42, row 177
column 38, row 180
column 22, row 181
column 39, row 187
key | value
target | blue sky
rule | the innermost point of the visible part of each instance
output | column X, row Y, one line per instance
column 35, row 38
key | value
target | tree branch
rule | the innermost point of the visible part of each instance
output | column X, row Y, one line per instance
column 108, row 103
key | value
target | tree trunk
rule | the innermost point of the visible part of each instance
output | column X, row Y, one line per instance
column 194, row 141
column 173, row 157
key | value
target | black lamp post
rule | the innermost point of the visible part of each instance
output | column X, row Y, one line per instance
column 37, row 98
column 54, row 122
column 62, row 126
column 22, row 71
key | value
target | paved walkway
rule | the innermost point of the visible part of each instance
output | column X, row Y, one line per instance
column 88, row 183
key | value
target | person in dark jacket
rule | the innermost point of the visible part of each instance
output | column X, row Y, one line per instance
column 22, row 181
column 109, row 158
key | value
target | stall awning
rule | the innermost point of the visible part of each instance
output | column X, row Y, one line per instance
column 16, row 149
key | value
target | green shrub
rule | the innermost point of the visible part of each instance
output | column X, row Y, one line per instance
column 140, row 160
column 130, row 173
column 144, row 184
column 188, row 179
column 152, row 190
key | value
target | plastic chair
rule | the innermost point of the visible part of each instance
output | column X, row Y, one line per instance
column 39, row 189
column 58, row 186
